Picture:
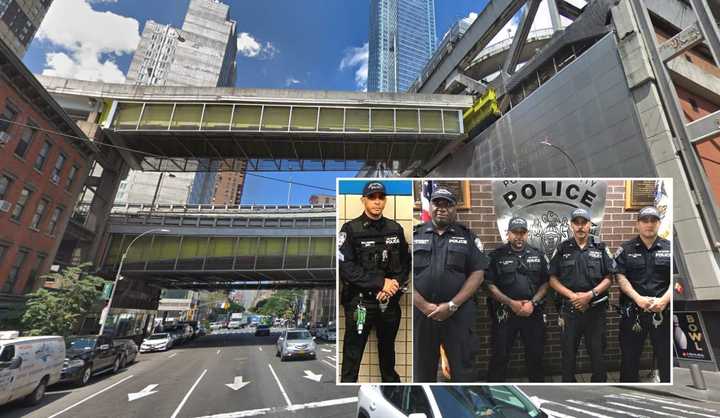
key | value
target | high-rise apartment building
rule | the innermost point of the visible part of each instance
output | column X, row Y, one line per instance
column 19, row 20
column 202, row 53
column 402, row 39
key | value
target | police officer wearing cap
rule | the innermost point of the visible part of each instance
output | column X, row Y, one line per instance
column 448, row 268
column 374, row 263
column 643, row 274
column 517, row 280
column 580, row 272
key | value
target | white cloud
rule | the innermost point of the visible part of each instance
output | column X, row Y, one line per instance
column 357, row 57
column 86, row 35
column 291, row 81
column 248, row 46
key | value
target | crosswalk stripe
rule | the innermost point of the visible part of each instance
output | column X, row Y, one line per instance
column 557, row 414
column 572, row 408
column 668, row 402
column 645, row 409
column 670, row 408
column 605, row 408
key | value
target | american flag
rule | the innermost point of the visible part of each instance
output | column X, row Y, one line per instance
column 427, row 189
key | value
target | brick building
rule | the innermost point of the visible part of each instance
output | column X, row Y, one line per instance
column 44, row 161
column 617, row 226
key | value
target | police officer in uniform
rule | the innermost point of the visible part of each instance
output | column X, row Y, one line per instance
column 643, row 273
column 517, row 280
column 447, row 270
column 580, row 272
column 374, row 263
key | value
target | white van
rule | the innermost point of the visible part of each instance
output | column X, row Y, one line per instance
column 28, row 365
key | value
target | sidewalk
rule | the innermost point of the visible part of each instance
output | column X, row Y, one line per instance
column 683, row 386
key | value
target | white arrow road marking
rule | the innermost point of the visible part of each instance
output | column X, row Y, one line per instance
column 91, row 396
column 238, row 383
column 260, row 348
column 326, row 350
column 143, row 393
column 218, row 352
column 312, row 376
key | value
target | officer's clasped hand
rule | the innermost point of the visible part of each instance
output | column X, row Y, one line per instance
column 390, row 287
column 581, row 300
column 441, row 312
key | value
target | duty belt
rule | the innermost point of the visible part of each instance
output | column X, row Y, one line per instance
column 631, row 307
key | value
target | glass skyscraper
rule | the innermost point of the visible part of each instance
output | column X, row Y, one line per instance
column 402, row 40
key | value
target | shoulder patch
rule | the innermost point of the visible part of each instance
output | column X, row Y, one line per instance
column 478, row 244
column 342, row 236
column 607, row 251
column 618, row 252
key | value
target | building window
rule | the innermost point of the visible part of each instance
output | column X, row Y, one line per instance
column 71, row 176
column 20, row 204
column 8, row 116
column 54, row 220
column 42, row 156
column 25, row 139
column 31, row 283
column 39, row 213
column 57, row 170
column 15, row 271
column 5, row 183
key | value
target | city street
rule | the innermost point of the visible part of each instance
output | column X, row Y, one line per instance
column 614, row 401
column 192, row 381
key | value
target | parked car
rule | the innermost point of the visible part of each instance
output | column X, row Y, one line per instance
column 201, row 332
column 234, row 325
column 88, row 355
column 28, row 365
column 262, row 330
column 129, row 350
column 445, row 401
column 157, row 342
column 215, row 326
column 329, row 334
column 295, row 342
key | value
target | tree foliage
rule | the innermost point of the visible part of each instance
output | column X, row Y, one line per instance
column 56, row 312
column 283, row 304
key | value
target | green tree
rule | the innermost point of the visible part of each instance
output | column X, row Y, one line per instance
column 283, row 304
column 57, row 312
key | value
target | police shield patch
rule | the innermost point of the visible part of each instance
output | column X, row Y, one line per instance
column 341, row 239
column 478, row 244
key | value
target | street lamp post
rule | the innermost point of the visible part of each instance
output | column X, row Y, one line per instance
column 106, row 311
column 547, row 143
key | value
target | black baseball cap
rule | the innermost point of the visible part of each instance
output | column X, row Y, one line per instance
column 373, row 187
column 649, row 211
column 580, row 213
column 517, row 222
column 443, row 194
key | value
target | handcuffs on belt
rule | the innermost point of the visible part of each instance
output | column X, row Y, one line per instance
column 657, row 317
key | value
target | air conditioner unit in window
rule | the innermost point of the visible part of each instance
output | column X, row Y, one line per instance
column 4, row 138
column 55, row 178
column 5, row 206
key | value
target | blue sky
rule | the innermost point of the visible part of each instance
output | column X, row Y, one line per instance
column 297, row 44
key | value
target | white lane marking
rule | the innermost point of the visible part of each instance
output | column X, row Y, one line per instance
column 670, row 408
column 326, row 350
column 328, row 363
column 310, row 405
column 312, row 376
column 668, row 402
column 187, row 395
column 282, row 389
column 605, row 408
column 556, row 414
column 143, row 393
column 260, row 348
column 644, row 409
column 582, row 411
column 172, row 355
column 218, row 352
column 89, row 397
column 58, row 392
column 238, row 383
column 333, row 358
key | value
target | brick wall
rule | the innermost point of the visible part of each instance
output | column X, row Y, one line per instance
column 618, row 225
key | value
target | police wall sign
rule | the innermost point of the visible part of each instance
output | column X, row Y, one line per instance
column 689, row 337
column 546, row 205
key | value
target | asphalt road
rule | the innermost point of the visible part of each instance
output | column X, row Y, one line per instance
column 615, row 401
column 191, row 381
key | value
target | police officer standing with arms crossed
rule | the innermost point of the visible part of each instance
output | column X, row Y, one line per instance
column 580, row 272
column 374, row 262
column 643, row 273
column 448, row 269
column 517, row 280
